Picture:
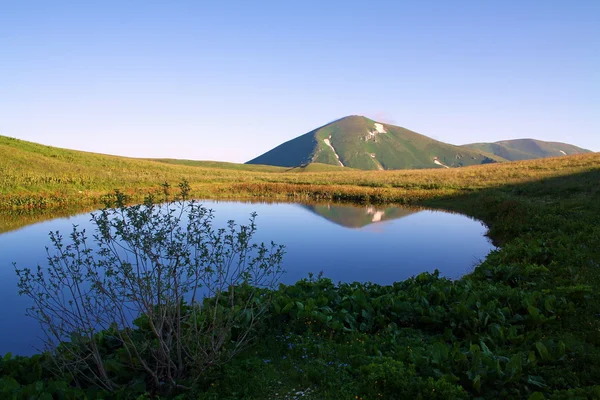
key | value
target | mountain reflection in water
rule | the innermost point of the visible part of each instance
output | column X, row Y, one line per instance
column 351, row 216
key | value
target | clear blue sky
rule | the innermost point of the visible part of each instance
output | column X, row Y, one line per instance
column 228, row 80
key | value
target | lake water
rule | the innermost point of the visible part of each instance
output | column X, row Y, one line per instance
column 347, row 243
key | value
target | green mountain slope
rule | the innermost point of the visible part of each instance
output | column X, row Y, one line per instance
column 526, row 149
column 361, row 143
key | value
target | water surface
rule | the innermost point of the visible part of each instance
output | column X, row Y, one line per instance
column 379, row 244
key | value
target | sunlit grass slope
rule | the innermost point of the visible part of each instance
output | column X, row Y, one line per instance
column 34, row 175
column 220, row 165
column 313, row 167
column 38, row 176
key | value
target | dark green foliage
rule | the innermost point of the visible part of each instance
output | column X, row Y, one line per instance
column 486, row 337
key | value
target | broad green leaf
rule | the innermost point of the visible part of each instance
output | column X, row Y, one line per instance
column 542, row 350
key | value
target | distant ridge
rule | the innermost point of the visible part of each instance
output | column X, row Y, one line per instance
column 527, row 149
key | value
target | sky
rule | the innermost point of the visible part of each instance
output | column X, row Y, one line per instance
column 228, row 80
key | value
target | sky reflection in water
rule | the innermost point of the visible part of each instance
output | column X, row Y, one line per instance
column 368, row 243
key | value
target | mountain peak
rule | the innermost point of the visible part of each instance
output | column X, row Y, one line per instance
column 359, row 142
column 347, row 118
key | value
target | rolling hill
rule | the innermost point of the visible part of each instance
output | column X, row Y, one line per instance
column 526, row 149
column 361, row 143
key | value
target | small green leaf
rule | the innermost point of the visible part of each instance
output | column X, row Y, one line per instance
column 542, row 350
column 536, row 396
column 514, row 367
column 485, row 349
column 561, row 349
column 534, row 312
column 536, row 381
column 477, row 383
column 287, row 307
column 439, row 353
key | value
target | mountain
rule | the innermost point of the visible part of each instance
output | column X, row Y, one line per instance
column 357, row 217
column 361, row 143
column 526, row 149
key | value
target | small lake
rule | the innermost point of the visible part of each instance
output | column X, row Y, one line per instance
column 380, row 244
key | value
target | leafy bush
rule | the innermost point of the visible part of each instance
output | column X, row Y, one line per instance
column 159, row 297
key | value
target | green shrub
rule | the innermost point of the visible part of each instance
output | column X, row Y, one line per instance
column 198, row 291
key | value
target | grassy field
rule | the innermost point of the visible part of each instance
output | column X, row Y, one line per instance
column 524, row 324
column 34, row 176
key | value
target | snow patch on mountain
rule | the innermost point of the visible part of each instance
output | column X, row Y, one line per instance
column 379, row 128
column 438, row 162
column 379, row 166
column 328, row 143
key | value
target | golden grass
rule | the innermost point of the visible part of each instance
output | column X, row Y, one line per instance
column 36, row 176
